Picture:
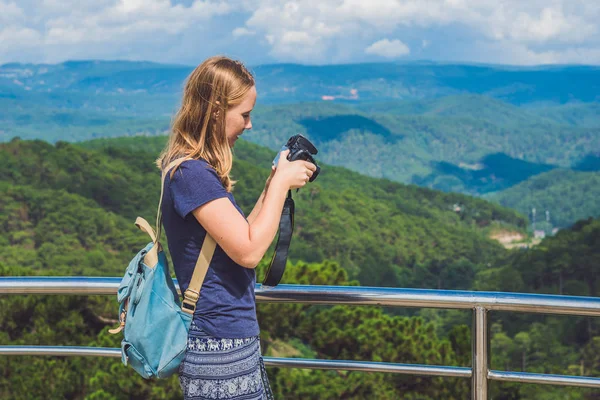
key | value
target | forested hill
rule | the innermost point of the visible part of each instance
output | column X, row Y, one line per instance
column 381, row 232
column 567, row 195
column 68, row 210
column 565, row 264
column 471, row 129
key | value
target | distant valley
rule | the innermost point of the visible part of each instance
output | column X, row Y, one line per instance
column 488, row 131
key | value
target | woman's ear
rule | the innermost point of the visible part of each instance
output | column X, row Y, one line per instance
column 217, row 111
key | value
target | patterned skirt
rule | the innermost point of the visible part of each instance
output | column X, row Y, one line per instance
column 219, row 368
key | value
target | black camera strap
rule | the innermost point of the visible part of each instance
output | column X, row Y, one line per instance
column 286, row 228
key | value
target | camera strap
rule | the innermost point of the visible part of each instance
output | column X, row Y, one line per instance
column 286, row 228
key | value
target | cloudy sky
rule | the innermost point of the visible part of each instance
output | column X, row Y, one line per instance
column 520, row 32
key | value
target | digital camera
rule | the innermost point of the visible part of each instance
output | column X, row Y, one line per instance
column 300, row 149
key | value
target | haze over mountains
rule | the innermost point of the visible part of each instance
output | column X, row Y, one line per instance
column 296, row 83
column 467, row 128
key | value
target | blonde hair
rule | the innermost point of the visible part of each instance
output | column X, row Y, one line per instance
column 198, row 129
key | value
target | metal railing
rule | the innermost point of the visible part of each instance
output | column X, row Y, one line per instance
column 480, row 302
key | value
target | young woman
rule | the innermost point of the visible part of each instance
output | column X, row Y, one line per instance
column 223, row 358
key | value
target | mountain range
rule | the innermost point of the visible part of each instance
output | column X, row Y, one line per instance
column 474, row 129
column 521, row 137
column 282, row 83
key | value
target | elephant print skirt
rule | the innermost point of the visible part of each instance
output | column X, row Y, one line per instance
column 217, row 368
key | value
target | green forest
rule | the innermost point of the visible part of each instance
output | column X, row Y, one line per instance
column 478, row 130
column 68, row 209
column 473, row 129
column 467, row 143
column 568, row 195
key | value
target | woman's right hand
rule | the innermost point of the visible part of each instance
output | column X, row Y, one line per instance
column 293, row 174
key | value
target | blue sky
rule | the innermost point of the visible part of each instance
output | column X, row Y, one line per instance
column 518, row 32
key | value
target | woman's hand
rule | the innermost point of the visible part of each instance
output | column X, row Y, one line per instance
column 293, row 174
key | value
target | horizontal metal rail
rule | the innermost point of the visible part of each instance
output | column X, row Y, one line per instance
column 367, row 366
column 527, row 377
column 347, row 295
column 340, row 365
column 479, row 302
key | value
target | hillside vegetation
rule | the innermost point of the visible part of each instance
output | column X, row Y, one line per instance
column 380, row 231
column 568, row 196
column 456, row 128
column 69, row 210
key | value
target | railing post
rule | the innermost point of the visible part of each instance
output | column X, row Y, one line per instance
column 480, row 362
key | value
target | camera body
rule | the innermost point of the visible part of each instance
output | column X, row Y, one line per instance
column 300, row 149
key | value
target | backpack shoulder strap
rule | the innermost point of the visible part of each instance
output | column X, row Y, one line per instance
column 164, row 173
column 151, row 258
column 192, row 294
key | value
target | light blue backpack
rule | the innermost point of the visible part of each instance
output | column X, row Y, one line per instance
column 155, row 323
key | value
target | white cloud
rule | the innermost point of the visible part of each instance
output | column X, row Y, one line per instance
column 10, row 12
column 130, row 19
column 331, row 22
column 90, row 28
column 14, row 38
column 510, row 53
column 549, row 23
column 300, row 30
column 389, row 49
column 239, row 32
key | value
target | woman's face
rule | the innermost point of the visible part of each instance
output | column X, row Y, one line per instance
column 237, row 118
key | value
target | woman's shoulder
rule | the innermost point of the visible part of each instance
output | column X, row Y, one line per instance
column 194, row 171
column 194, row 165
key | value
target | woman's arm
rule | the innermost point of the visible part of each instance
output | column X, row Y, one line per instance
column 246, row 242
column 257, row 207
